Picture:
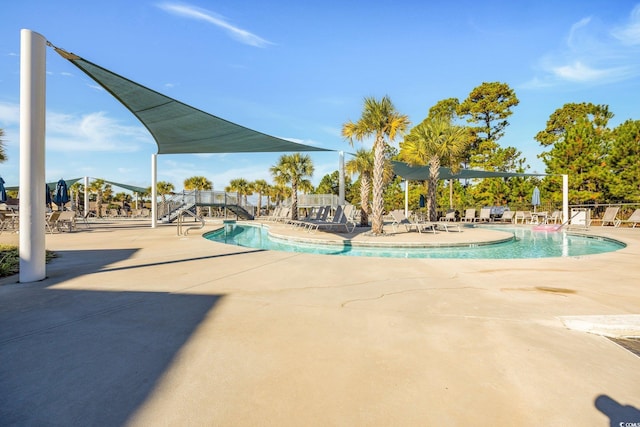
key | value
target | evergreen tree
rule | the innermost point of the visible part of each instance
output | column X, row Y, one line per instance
column 624, row 162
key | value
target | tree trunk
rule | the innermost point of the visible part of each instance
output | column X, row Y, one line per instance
column 365, row 189
column 294, row 201
column 378, row 201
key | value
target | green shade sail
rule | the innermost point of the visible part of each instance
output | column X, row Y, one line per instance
column 421, row 173
column 177, row 127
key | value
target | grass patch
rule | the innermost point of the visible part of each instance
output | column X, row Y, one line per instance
column 10, row 260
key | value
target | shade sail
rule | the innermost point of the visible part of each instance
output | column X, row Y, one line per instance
column 132, row 188
column 177, row 127
column 51, row 185
column 421, row 173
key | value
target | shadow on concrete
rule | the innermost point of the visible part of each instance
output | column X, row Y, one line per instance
column 619, row 415
column 88, row 358
column 82, row 357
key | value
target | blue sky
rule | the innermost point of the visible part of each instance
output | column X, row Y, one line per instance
column 299, row 70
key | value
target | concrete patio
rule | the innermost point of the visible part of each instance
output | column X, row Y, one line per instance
column 138, row 326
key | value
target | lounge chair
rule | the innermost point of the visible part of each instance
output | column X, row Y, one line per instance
column 449, row 216
column 399, row 218
column 610, row 216
column 339, row 220
column 66, row 219
column 51, row 221
column 634, row 218
column 508, row 216
column 469, row 215
column 554, row 218
column 485, row 215
column 524, row 217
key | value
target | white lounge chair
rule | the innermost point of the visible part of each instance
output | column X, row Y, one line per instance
column 554, row 218
column 633, row 219
column 610, row 216
column 399, row 218
column 524, row 217
column 508, row 216
column 449, row 216
column 469, row 215
column 485, row 215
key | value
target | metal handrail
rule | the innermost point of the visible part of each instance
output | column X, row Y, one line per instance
column 179, row 222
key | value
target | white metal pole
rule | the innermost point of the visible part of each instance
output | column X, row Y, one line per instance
column 32, row 161
column 341, row 185
column 86, row 196
column 565, row 198
column 154, row 191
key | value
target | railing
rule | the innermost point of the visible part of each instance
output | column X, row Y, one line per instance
column 311, row 200
column 167, row 211
column 180, row 222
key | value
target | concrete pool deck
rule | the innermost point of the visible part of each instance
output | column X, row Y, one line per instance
column 139, row 326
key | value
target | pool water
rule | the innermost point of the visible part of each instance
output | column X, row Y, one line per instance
column 526, row 244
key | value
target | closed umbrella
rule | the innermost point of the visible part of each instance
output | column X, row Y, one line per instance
column 535, row 198
column 3, row 191
column 61, row 197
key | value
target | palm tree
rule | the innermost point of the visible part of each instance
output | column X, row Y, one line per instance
column 198, row 183
column 97, row 187
column 242, row 187
column 293, row 169
column 362, row 164
column 75, row 189
column 3, row 154
column 431, row 142
column 163, row 188
column 261, row 187
column 380, row 120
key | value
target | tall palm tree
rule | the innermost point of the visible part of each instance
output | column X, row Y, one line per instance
column 431, row 142
column 76, row 189
column 198, row 183
column 163, row 188
column 362, row 164
column 97, row 187
column 261, row 187
column 292, row 169
column 242, row 187
column 380, row 120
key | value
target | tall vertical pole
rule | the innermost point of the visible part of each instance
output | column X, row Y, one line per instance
column 86, row 196
column 406, row 198
column 154, row 191
column 565, row 198
column 32, row 143
column 341, row 184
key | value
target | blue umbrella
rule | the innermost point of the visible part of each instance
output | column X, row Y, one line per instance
column 47, row 191
column 535, row 198
column 62, row 193
column 3, row 192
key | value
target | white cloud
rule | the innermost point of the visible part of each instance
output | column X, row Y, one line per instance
column 9, row 114
column 93, row 132
column 197, row 13
column 592, row 56
column 630, row 34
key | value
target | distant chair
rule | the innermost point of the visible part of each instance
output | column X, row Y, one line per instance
column 469, row 215
column 449, row 216
column 555, row 217
column 634, row 218
column 485, row 215
column 508, row 216
column 611, row 216
column 399, row 218
column 524, row 217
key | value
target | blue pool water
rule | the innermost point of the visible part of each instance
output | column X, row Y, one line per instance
column 526, row 244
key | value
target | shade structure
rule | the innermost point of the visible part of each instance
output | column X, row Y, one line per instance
column 535, row 198
column 177, row 127
column 421, row 173
column 61, row 196
column 3, row 191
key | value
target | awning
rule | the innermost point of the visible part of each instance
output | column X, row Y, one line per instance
column 178, row 127
column 421, row 173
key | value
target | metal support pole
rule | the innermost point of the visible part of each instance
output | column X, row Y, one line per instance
column 341, row 184
column 565, row 198
column 32, row 156
column 86, row 196
column 406, row 198
column 154, row 191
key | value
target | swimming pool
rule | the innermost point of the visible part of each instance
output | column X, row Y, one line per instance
column 526, row 244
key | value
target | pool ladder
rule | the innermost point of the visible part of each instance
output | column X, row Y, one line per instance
column 182, row 229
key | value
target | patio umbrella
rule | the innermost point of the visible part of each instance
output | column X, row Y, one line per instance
column 3, row 191
column 535, row 198
column 47, row 194
column 61, row 197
